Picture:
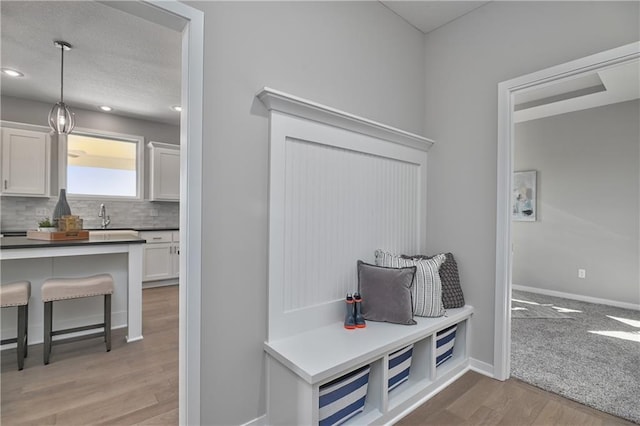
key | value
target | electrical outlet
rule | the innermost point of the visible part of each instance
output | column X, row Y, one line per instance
column 41, row 213
column 582, row 273
column 153, row 213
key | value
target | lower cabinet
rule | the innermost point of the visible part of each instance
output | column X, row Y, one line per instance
column 161, row 257
column 392, row 368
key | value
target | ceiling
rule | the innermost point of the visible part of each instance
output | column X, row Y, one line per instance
column 614, row 84
column 429, row 15
column 117, row 59
column 133, row 65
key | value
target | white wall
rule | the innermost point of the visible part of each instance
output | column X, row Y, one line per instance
column 466, row 60
column 588, row 165
column 354, row 56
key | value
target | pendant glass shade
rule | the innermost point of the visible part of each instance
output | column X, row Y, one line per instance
column 61, row 119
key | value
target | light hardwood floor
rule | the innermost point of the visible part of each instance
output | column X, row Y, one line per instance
column 475, row 399
column 137, row 383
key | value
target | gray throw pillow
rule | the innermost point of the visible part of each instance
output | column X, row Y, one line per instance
column 452, row 295
column 386, row 293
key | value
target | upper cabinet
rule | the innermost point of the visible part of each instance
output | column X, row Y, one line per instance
column 164, row 172
column 25, row 163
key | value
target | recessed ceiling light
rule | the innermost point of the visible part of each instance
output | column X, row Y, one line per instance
column 12, row 73
column 177, row 108
column 105, row 108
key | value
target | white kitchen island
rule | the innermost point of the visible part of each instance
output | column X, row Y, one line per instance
column 36, row 260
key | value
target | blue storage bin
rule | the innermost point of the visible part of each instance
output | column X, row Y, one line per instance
column 344, row 397
column 445, row 340
column 399, row 365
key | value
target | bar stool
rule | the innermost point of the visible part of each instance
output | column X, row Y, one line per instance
column 55, row 289
column 18, row 294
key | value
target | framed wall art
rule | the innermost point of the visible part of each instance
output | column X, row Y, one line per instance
column 524, row 207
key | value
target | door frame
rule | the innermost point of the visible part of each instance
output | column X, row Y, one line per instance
column 190, row 23
column 506, row 92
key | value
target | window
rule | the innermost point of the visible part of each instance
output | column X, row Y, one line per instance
column 103, row 166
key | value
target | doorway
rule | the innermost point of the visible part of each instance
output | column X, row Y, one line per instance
column 190, row 22
column 504, row 256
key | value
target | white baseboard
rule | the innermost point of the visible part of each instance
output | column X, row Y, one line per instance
column 258, row 421
column 481, row 367
column 161, row 283
column 589, row 299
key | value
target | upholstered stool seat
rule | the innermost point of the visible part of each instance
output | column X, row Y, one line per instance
column 76, row 288
column 56, row 289
column 18, row 294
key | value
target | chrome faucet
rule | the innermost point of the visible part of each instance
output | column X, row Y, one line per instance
column 106, row 220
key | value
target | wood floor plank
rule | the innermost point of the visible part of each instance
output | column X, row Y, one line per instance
column 170, row 417
column 484, row 416
column 85, row 385
column 512, row 403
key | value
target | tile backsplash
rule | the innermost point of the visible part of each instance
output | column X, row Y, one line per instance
column 21, row 213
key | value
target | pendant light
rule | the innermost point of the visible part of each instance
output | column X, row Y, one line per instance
column 61, row 119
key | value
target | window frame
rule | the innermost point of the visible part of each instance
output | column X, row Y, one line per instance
column 140, row 161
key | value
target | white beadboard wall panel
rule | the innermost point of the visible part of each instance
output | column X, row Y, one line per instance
column 335, row 196
column 339, row 206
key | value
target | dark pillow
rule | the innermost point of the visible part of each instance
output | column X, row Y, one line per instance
column 452, row 296
column 386, row 293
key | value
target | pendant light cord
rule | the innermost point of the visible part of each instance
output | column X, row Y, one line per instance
column 61, row 73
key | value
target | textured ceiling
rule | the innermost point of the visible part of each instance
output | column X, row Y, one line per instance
column 117, row 59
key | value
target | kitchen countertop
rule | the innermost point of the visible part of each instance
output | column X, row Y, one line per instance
column 21, row 233
column 154, row 229
column 79, row 258
column 9, row 242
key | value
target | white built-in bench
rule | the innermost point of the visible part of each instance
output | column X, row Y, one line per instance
column 298, row 365
column 340, row 187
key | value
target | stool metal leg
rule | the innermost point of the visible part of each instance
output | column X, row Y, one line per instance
column 21, row 335
column 107, row 321
column 26, row 329
column 48, row 323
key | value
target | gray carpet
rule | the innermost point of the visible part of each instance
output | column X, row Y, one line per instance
column 601, row 369
column 521, row 307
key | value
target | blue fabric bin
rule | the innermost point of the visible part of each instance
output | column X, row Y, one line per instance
column 399, row 365
column 344, row 397
column 445, row 340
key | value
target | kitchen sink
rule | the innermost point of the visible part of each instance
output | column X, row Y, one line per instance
column 112, row 234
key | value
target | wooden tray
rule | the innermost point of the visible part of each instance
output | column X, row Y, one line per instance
column 58, row 235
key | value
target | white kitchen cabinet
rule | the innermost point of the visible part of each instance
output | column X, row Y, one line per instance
column 25, row 162
column 164, row 174
column 161, row 257
column 175, row 258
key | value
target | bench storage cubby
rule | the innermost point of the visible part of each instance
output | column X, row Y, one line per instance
column 344, row 397
column 301, row 366
column 399, row 366
column 445, row 341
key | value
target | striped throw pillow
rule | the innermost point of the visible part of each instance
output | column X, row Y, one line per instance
column 426, row 290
